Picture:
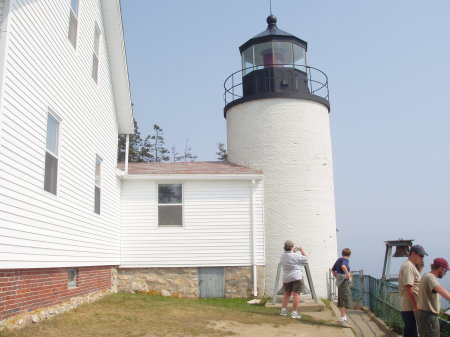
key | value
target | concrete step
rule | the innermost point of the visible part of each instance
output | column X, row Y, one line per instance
column 306, row 305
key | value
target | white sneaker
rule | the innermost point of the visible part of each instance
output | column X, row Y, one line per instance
column 295, row 314
column 283, row 313
column 345, row 324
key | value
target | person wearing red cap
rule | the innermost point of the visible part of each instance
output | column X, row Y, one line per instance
column 429, row 301
column 408, row 285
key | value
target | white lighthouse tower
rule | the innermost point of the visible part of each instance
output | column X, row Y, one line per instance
column 277, row 113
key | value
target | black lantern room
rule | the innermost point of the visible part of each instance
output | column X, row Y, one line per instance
column 274, row 65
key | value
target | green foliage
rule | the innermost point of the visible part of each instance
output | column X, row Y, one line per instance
column 327, row 303
column 155, row 145
column 222, row 152
column 151, row 149
column 135, row 146
column 187, row 155
column 263, row 301
column 395, row 326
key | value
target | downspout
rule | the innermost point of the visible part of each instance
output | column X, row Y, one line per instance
column 255, row 274
column 127, row 149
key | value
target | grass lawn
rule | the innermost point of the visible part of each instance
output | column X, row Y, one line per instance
column 151, row 315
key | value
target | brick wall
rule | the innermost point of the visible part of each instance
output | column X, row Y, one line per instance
column 26, row 290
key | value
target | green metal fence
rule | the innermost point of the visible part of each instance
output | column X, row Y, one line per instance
column 384, row 300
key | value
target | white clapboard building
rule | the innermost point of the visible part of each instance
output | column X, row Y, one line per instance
column 64, row 98
column 193, row 229
column 74, row 224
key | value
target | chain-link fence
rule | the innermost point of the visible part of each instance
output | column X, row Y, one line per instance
column 383, row 299
column 385, row 302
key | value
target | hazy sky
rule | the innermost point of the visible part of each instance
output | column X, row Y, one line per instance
column 388, row 64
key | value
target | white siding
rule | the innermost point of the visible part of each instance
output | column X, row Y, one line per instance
column 2, row 6
column 43, row 71
column 217, row 225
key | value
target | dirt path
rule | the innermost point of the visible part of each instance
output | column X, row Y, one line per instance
column 296, row 329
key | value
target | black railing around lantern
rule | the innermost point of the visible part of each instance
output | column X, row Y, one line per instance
column 317, row 81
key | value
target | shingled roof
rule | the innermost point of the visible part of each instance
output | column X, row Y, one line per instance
column 205, row 167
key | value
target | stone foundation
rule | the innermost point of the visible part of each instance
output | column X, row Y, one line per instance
column 19, row 321
column 183, row 282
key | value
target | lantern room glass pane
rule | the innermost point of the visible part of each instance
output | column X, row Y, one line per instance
column 282, row 53
column 263, row 55
column 300, row 58
column 247, row 60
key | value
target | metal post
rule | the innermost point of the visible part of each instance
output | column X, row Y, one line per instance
column 310, row 282
column 387, row 262
column 277, row 280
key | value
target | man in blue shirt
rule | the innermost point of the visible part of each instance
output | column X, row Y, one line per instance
column 341, row 271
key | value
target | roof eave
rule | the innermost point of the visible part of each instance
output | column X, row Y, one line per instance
column 113, row 29
column 196, row 176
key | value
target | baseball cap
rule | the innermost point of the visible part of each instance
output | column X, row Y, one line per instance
column 441, row 262
column 288, row 243
column 418, row 249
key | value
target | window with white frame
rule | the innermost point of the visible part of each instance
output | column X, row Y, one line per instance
column 95, row 55
column 98, row 187
column 73, row 22
column 170, row 205
column 51, row 154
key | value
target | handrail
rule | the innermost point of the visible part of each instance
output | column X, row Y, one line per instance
column 315, row 77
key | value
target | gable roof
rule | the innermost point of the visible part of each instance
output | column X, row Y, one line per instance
column 113, row 30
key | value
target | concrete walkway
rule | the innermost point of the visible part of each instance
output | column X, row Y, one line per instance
column 365, row 324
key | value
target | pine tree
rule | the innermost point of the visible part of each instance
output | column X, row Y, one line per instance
column 187, row 155
column 175, row 154
column 155, row 145
column 146, row 153
column 222, row 152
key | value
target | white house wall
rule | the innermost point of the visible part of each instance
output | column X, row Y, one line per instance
column 217, row 225
column 43, row 72
column 2, row 6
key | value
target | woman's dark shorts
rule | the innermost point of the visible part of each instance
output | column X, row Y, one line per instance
column 293, row 287
column 344, row 295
